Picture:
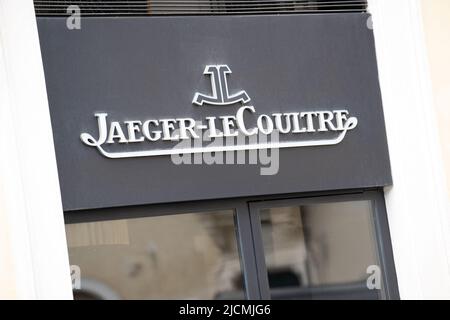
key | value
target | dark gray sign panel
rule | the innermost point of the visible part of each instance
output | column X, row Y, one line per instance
column 156, row 68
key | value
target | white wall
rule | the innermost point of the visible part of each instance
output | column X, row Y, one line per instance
column 33, row 252
column 417, row 204
column 436, row 15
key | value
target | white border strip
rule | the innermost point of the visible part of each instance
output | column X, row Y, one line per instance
column 417, row 203
column 34, row 248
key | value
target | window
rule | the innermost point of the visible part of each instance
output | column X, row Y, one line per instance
column 190, row 256
column 323, row 247
column 320, row 250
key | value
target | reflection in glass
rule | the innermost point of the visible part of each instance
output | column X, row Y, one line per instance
column 188, row 256
column 320, row 251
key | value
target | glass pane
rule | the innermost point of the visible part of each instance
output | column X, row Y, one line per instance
column 188, row 256
column 321, row 251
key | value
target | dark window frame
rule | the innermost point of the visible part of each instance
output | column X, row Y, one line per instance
column 249, row 232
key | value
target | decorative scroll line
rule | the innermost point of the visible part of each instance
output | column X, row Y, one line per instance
column 210, row 149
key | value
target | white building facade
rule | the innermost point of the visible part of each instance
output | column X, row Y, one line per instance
column 34, row 258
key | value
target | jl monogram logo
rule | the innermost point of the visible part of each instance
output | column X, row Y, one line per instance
column 220, row 95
